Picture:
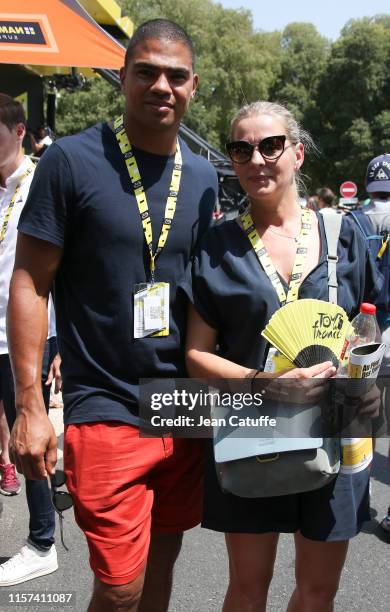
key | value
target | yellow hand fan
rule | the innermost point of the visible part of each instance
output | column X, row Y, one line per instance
column 308, row 332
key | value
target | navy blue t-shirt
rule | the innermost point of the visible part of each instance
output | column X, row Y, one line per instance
column 234, row 295
column 81, row 199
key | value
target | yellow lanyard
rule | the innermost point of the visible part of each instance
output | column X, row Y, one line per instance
column 265, row 260
column 11, row 205
column 139, row 192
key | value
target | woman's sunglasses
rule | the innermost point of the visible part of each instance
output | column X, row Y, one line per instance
column 61, row 500
column 271, row 148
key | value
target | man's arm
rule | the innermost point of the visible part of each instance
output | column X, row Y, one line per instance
column 33, row 445
column 35, row 146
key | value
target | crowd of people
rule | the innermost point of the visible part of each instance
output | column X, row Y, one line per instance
column 326, row 201
column 116, row 224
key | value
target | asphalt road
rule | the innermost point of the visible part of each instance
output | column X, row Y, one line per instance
column 201, row 574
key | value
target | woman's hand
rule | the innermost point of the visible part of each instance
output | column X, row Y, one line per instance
column 300, row 385
column 320, row 370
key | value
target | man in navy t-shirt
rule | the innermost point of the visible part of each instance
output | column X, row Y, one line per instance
column 113, row 216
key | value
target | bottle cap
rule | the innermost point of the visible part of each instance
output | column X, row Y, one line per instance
column 367, row 308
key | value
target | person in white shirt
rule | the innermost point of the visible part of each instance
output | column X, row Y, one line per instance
column 38, row 557
column 44, row 141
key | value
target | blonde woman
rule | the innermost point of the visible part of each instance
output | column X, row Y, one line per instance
column 234, row 299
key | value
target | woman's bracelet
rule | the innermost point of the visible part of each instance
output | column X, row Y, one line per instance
column 252, row 375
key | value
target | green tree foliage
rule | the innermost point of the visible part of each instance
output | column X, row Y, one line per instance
column 340, row 92
column 353, row 100
column 304, row 53
column 98, row 101
column 381, row 132
column 357, row 140
column 303, row 60
column 235, row 65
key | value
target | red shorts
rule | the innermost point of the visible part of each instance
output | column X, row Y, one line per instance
column 124, row 487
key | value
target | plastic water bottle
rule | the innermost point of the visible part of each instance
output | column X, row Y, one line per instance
column 365, row 330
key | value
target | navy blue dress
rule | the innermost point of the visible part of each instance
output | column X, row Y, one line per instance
column 233, row 295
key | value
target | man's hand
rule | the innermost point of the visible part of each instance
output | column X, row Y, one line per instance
column 33, row 445
column 370, row 403
column 359, row 408
column 366, row 405
column 55, row 374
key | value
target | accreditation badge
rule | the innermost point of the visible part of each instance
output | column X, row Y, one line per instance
column 151, row 310
column 277, row 362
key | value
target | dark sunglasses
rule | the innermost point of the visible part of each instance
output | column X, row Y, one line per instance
column 270, row 148
column 61, row 500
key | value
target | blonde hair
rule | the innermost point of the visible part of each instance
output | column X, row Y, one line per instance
column 294, row 131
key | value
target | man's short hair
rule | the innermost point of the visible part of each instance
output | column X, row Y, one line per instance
column 11, row 111
column 326, row 195
column 160, row 29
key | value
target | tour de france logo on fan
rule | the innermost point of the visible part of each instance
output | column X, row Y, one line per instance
column 328, row 326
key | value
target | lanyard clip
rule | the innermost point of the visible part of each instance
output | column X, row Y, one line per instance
column 152, row 268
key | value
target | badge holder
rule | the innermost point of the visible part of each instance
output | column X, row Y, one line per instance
column 151, row 310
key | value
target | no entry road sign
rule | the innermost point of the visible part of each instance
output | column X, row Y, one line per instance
column 348, row 189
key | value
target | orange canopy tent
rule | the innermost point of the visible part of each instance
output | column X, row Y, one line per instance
column 55, row 33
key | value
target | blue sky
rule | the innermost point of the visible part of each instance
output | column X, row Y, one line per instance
column 328, row 16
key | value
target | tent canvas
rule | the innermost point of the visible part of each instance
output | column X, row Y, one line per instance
column 55, row 33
